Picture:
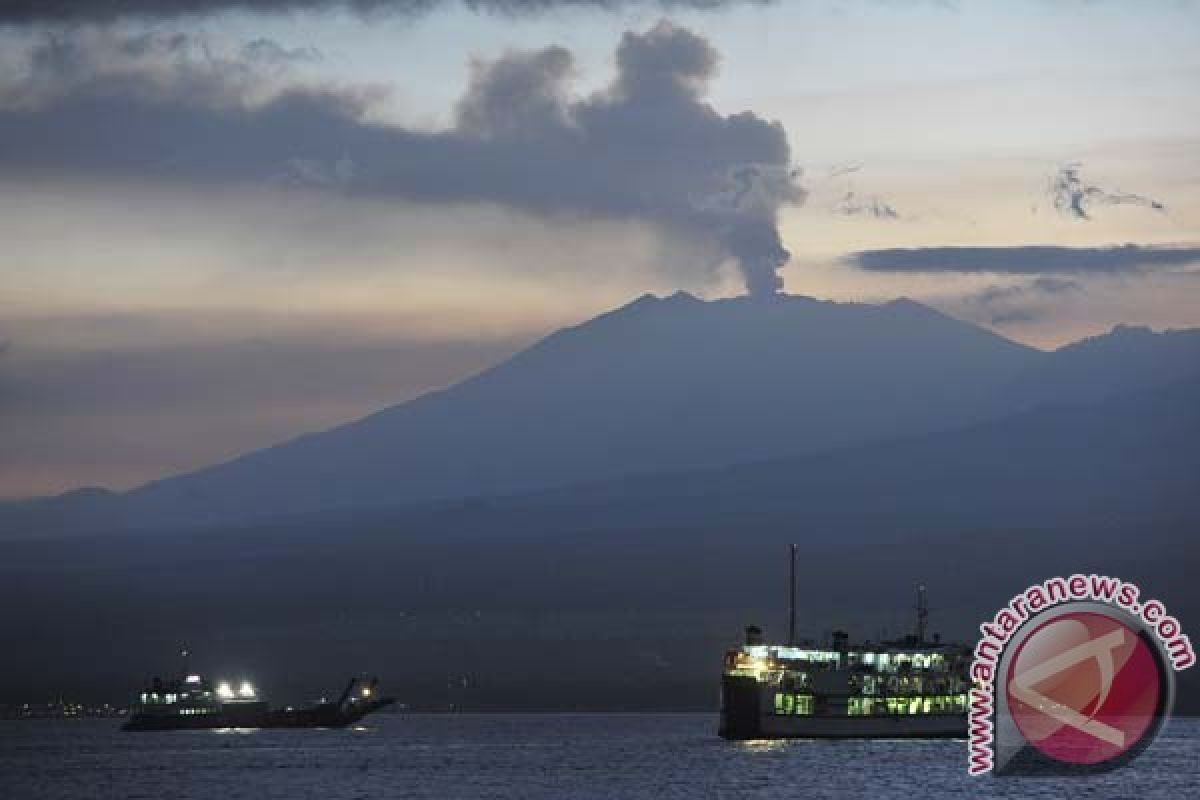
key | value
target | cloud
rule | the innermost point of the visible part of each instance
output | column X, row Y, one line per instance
column 1014, row 316
column 874, row 206
column 267, row 51
column 99, row 65
column 646, row 148
column 1038, row 285
column 1025, row 302
column 852, row 203
column 841, row 170
column 28, row 11
column 1073, row 197
column 1031, row 260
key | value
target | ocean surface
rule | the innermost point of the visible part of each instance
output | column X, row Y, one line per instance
column 530, row 756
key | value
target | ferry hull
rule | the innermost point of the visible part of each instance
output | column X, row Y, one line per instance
column 747, row 713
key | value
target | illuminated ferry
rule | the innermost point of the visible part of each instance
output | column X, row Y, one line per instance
column 909, row 688
column 193, row 702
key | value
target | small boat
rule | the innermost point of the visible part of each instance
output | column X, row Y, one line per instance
column 195, row 703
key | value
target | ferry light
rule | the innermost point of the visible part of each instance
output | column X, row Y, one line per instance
column 224, row 691
column 246, row 690
column 756, row 664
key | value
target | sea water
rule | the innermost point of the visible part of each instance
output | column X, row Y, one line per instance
column 531, row 756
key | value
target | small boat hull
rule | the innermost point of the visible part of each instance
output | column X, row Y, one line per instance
column 326, row 715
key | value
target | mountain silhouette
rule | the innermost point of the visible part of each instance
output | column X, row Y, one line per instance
column 659, row 385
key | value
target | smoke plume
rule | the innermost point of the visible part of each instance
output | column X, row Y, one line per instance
column 647, row 148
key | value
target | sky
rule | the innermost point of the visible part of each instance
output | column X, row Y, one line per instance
column 234, row 221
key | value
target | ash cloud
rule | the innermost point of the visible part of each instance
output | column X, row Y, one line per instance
column 1034, row 260
column 648, row 147
column 1074, row 197
column 71, row 11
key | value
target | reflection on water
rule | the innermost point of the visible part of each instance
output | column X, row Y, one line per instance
column 761, row 745
column 531, row 757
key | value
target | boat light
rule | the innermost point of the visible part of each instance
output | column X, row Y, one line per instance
column 224, row 691
column 753, row 662
column 366, row 692
column 246, row 690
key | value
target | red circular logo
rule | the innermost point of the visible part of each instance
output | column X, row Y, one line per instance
column 1084, row 688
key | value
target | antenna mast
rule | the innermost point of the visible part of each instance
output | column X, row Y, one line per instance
column 792, row 598
column 922, row 614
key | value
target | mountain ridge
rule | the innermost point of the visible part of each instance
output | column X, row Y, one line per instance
column 656, row 384
column 660, row 384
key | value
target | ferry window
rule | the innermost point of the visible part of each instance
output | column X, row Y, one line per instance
column 860, row 707
column 793, row 704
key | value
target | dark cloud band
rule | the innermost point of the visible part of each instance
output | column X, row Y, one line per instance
column 29, row 11
column 1037, row 260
